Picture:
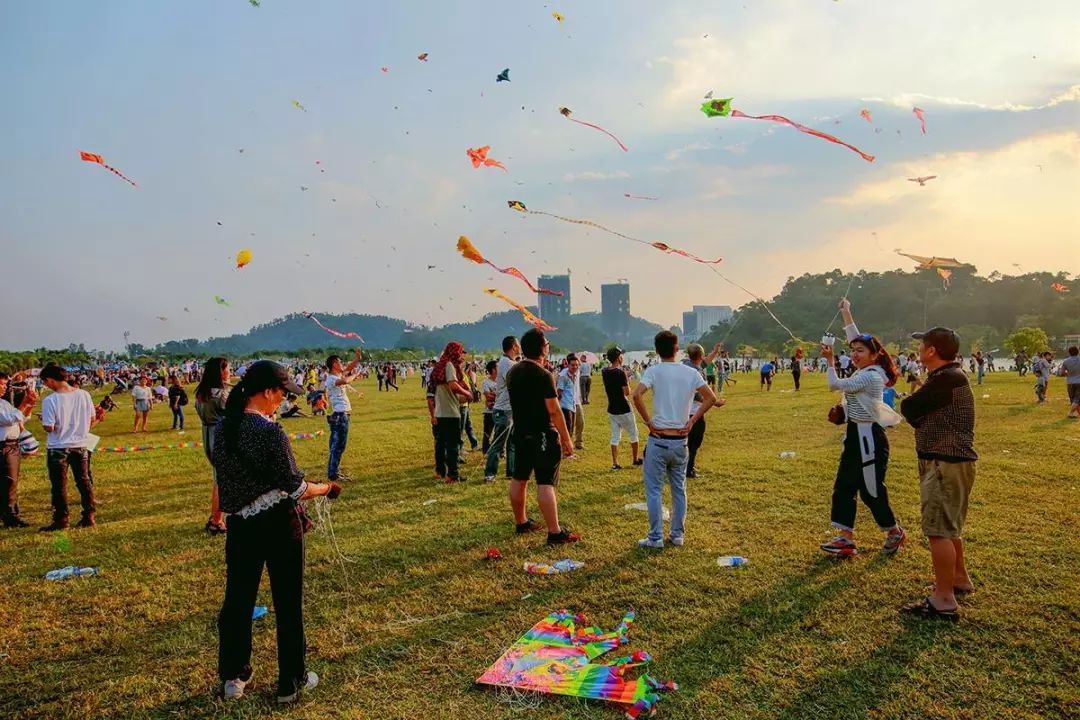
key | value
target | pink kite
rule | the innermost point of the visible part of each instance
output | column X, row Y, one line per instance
column 95, row 158
column 479, row 157
column 865, row 115
column 920, row 113
column 335, row 333
column 804, row 129
column 566, row 114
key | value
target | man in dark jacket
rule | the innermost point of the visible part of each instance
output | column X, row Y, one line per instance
column 942, row 412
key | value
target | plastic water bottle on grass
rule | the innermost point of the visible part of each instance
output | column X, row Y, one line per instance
column 70, row 572
column 731, row 561
column 787, row 454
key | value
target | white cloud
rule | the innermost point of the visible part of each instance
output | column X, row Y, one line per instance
column 595, row 176
column 691, row 147
column 907, row 100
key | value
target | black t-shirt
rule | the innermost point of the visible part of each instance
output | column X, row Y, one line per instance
column 529, row 386
column 614, row 382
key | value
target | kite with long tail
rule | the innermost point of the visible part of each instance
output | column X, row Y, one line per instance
column 722, row 108
column 528, row 316
column 469, row 252
column 335, row 333
column 921, row 114
column 479, row 158
column 95, row 158
column 566, row 114
column 663, row 247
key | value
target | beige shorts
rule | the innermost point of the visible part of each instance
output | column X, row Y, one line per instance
column 944, row 488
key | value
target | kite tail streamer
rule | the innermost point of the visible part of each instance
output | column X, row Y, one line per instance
column 119, row 174
column 529, row 317
column 469, row 252
column 804, row 129
column 606, row 132
column 335, row 333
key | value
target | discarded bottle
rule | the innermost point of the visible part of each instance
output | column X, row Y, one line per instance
column 70, row 572
column 731, row 561
column 787, row 454
column 260, row 611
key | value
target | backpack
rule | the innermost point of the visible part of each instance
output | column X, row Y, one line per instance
column 183, row 397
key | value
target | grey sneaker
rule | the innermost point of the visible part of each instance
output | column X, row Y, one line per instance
column 677, row 541
column 310, row 681
column 234, row 688
column 654, row 544
column 840, row 546
column 894, row 540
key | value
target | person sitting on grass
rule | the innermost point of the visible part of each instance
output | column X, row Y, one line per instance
column 865, row 457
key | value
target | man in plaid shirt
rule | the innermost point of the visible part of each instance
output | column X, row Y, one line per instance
column 942, row 412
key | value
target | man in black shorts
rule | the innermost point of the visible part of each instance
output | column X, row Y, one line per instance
column 540, row 438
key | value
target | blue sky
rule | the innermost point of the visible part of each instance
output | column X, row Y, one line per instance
column 170, row 92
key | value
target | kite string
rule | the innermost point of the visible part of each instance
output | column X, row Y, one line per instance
column 764, row 304
column 838, row 309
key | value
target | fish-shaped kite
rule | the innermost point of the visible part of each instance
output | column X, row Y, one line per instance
column 95, row 158
column 296, row 104
column 335, row 333
column 422, row 57
column 1059, row 287
column 722, row 108
column 920, row 113
column 922, row 180
column 558, row 16
column 221, row 301
column 528, row 316
column 504, row 76
column 479, row 157
column 566, row 113
column 469, row 252
column 865, row 115
column 932, row 262
column 243, row 258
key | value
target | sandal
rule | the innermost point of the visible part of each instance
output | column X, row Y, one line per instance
column 214, row 529
column 957, row 591
column 527, row 527
column 925, row 609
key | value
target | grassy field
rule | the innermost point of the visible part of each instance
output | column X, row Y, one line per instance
column 401, row 624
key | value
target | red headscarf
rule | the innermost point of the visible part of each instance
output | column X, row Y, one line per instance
column 453, row 353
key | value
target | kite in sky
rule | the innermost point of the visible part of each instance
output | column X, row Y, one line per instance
column 1059, row 287
column 922, row 180
column 95, row 158
column 946, row 275
column 335, row 333
column 504, row 76
column 296, row 104
column 162, row 318
column 384, row 69
column 639, row 197
column 221, row 301
column 558, row 16
column 920, row 113
column 529, row 317
column 422, row 57
column 722, row 108
column 932, row 262
column 556, row 655
column 587, row 289
column 469, row 252
column 865, row 115
column 254, row 3
column 479, row 157
column 243, row 258
column 520, row 207
column 566, row 113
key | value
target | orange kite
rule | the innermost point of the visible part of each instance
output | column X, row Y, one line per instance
column 95, row 158
column 529, row 317
column 479, row 157
column 469, row 252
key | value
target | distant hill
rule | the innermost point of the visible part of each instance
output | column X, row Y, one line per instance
column 294, row 332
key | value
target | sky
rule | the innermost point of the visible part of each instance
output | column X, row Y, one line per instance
column 194, row 100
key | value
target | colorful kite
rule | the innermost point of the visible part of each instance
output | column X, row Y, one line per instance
column 558, row 16
column 932, row 262
column 555, row 657
column 946, row 275
column 922, row 180
column 1059, row 287
column 296, row 104
column 479, row 157
column 529, row 317
column 335, row 333
column 920, row 113
column 95, row 158
column 469, row 252
column 504, row 76
column 639, row 197
column 865, row 115
column 221, row 301
column 722, row 108
column 422, row 57
column 520, row 207
column 243, row 258
column 566, row 113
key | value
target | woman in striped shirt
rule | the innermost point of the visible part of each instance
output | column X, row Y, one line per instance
column 865, row 457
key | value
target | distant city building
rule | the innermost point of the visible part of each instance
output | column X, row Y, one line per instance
column 615, row 310
column 704, row 317
column 552, row 307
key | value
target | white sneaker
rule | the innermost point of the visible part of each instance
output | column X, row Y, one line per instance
column 677, row 541
column 234, row 688
column 647, row 543
column 489, row 478
column 311, row 681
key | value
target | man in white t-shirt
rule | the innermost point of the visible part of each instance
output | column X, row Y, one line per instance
column 337, row 379
column 673, row 386
column 67, row 415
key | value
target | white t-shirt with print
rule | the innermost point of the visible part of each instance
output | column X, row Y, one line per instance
column 673, row 386
column 70, row 415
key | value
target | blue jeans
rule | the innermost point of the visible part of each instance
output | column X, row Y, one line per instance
column 339, row 435
column 665, row 460
column 178, row 417
column 466, row 426
column 980, row 376
column 501, row 427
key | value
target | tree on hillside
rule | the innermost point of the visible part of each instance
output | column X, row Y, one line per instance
column 1030, row 340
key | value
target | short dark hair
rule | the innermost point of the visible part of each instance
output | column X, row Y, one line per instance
column 330, row 361
column 944, row 340
column 665, row 342
column 532, row 343
column 4, row 375
column 491, row 365
column 508, row 343
column 54, row 372
column 1073, row 350
column 570, row 357
column 613, row 353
